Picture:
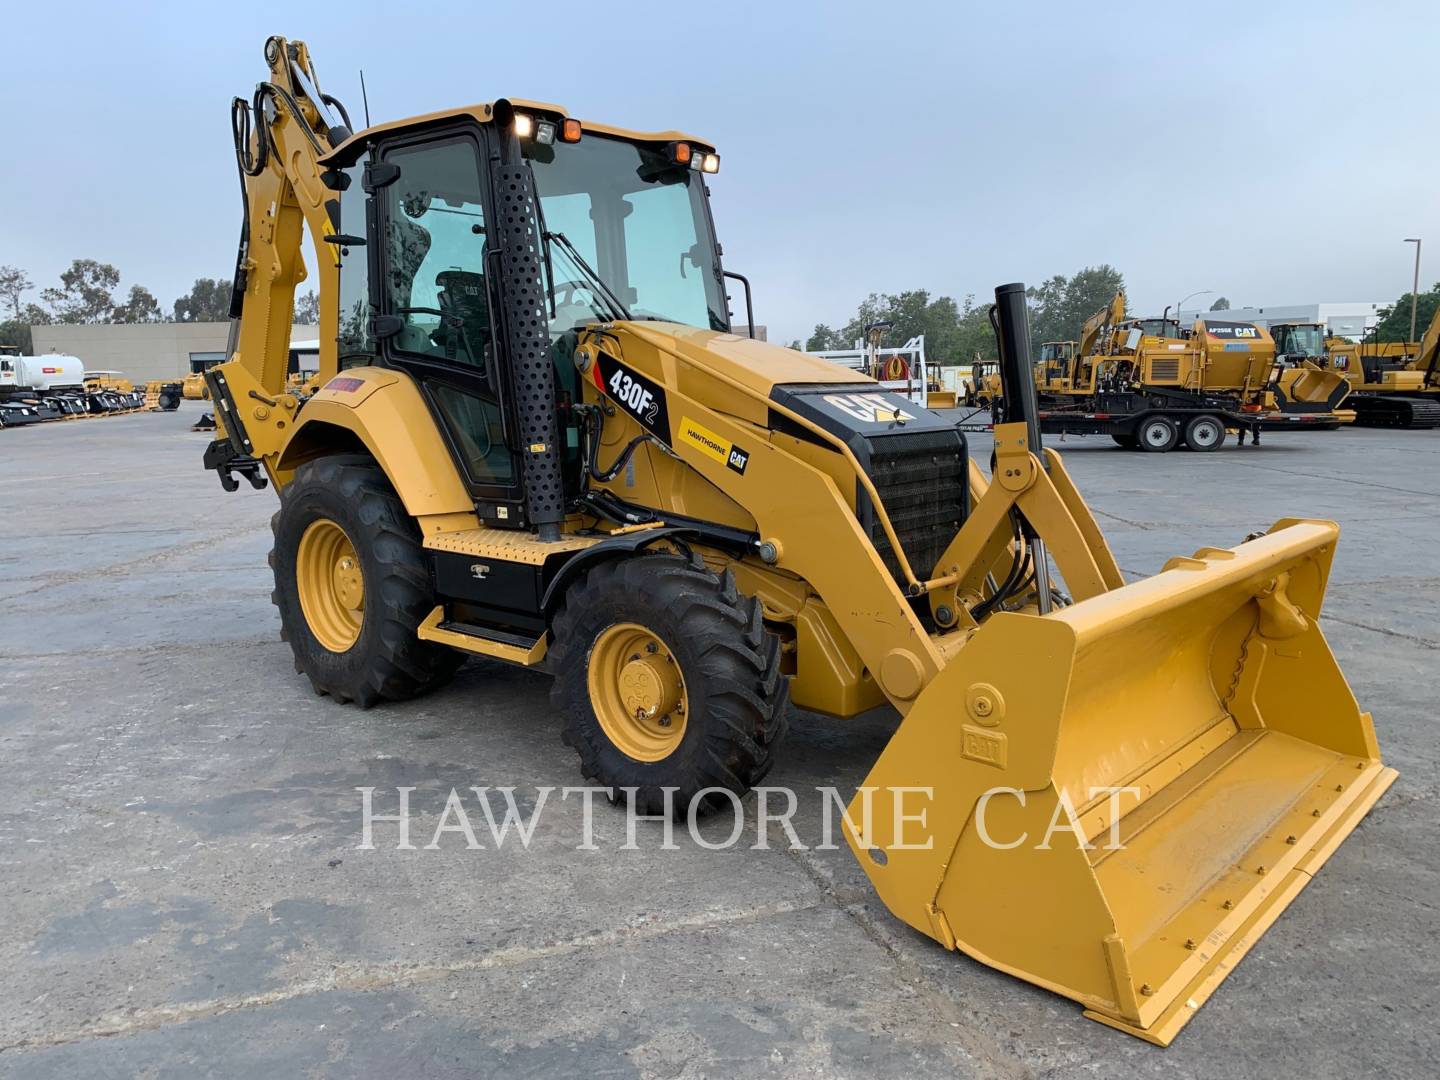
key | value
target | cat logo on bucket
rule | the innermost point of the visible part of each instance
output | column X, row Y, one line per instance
column 714, row 446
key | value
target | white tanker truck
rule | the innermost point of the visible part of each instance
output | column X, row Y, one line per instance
column 35, row 388
column 40, row 374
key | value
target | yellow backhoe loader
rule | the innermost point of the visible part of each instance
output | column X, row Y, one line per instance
column 538, row 439
column 1052, row 370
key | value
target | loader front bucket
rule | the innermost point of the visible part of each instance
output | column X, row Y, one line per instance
column 1304, row 388
column 1114, row 800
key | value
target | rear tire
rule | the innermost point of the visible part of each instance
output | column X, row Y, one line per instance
column 372, row 653
column 1125, row 439
column 1205, row 434
column 671, row 616
column 1157, row 435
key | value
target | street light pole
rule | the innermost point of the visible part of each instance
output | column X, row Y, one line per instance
column 1415, row 289
column 1202, row 292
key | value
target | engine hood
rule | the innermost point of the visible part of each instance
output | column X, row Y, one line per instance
column 758, row 365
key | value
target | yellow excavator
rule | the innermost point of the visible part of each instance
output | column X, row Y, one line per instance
column 1396, row 384
column 539, row 438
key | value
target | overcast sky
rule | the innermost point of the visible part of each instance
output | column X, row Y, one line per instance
column 1272, row 152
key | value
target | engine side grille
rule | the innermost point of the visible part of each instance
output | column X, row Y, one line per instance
column 922, row 478
column 1166, row 369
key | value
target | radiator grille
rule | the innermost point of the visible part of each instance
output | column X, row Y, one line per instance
column 922, row 479
column 1166, row 369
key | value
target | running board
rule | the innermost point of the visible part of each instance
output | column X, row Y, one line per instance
column 481, row 640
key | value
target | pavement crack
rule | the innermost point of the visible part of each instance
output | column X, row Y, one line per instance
column 166, row 647
column 363, row 978
column 101, row 573
column 1147, row 526
column 1334, row 478
column 995, row 1059
column 1423, row 642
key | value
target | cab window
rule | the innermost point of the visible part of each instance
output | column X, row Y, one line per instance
column 435, row 254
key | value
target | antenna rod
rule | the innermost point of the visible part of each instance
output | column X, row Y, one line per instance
column 364, row 98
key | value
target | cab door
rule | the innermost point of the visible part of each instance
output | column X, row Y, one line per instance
column 438, row 302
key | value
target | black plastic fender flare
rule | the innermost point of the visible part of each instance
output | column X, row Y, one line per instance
column 611, row 548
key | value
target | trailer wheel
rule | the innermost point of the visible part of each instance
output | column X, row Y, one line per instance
column 667, row 678
column 1205, row 433
column 1125, row 439
column 1158, row 434
column 352, row 585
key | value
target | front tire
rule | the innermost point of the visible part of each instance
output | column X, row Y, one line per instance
column 352, row 586
column 667, row 677
column 1125, row 439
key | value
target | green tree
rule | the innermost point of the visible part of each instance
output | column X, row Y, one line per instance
column 1060, row 305
column 14, row 284
column 207, row 301
column 823, row 338
column 85, row 294
column 974, row 335
column 14, row 332
column 1222, row 304
column 1394, row 322
column 140, row 307
column 307, row 308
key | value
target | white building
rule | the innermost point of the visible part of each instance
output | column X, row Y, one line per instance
column 1348, row 319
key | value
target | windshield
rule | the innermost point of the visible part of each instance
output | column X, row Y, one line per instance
column 1159, row 327
column 639, row 221
column 1299, row 341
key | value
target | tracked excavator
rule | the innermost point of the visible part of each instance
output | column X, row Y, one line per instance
column 1396, row 384
column 539, row 439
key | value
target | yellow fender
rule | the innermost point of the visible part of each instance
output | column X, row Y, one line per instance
column 384, row 410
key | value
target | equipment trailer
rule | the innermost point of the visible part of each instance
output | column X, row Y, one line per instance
column 1155, row 421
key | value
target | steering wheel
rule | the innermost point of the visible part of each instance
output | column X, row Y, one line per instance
column 564, row 294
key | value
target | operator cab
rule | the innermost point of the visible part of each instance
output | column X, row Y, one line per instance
column 1295, row 342
column 620, row 228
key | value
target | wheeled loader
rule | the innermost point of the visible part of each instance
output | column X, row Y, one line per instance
column 539, row 440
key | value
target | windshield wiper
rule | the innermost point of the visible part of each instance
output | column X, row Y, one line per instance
column 618, row 310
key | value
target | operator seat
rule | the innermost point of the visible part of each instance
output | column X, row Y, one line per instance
column 466, row 325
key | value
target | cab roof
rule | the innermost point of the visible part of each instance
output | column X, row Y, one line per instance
column 486, row 113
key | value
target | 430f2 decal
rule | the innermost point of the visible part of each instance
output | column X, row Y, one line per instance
column 633, row 392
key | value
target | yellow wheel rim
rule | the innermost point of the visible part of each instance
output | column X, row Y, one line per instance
column 637, row 692
column 331, row 585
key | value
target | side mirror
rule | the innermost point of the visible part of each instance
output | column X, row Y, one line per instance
column 385, row 326
column 378, row 175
